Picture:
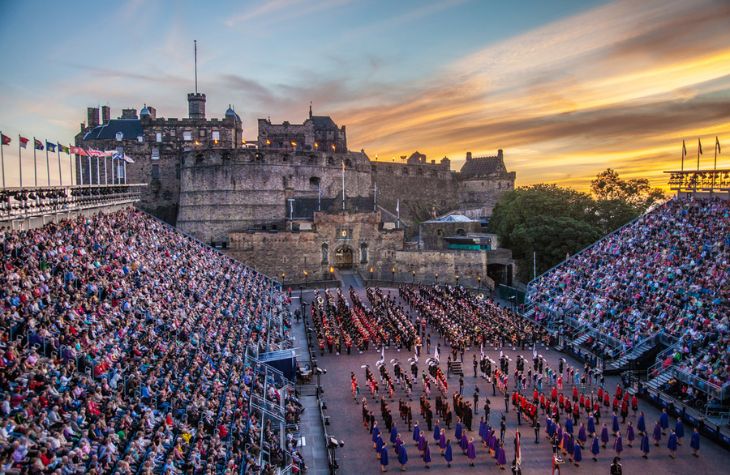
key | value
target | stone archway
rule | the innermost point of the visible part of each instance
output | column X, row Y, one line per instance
column 343, row 257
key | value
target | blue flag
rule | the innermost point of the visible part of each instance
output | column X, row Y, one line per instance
column 50, row 146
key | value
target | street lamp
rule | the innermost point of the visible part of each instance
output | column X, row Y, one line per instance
column 414, row 276
column 392, row 273
column 479, row 281
column 332, row 272
column 457, row 280
column 306, row 277
column 319, row 371
column 371, row 273
column 283, row 277
column 437, row 277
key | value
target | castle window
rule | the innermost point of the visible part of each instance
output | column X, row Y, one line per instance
column 330, row 161
column 314, row 182
column 187, row 136
column 325, row 253
column 405, row 171
column 155, row 172
column 216, row 136
column 201, row 132
column 155, row 153
column 348, row 163
column 158, row 137
column 363, row 253
column 460, row 232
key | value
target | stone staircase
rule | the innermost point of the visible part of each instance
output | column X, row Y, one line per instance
column 582, row 339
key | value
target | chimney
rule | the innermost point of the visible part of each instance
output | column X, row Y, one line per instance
column 153, row 112
column 196, row 105
column 92, row 116
column 129, row 114
column 468, row 156
column 500, row 155
column 106, row 114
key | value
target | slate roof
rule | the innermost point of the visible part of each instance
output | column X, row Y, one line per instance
column 131, row 128
column 483, row 166
column 451, row 218
column 324, row 122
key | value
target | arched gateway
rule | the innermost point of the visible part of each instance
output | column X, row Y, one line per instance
column 343, row 257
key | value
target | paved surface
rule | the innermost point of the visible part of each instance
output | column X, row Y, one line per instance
column 358, row 456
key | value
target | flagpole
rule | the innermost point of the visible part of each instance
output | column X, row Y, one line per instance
column 714, row 167
column 397, row 210
column 124, row 169
column 20, row 161
column 70, row 167
column 35, row 165
column 106, row 179
column 2, row 157
column 113, row 167
column 98, row 171
column 684, row 152
column 88, row 162
column 60, row 173
column 48, row 166
column 343, row 185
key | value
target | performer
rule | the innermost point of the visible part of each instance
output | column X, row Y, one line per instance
column 679, row 430
column 641, row 424
column 594, row 448
column 694, row 442
column 657, row 433
column 448, row 454
column 383, row 459
column 664, row 421
column 501, row 456
column 402, row 457
column 672, row 444
column 426, row 454
column 436, row 431
column 604, row 435
column 577, row 455
column 442, row 441
column 376, row 434
column 618, row 445
column 416, row 433
column 645, row 445
column 471, row 452
column 615, row 425
column 582, row 437
column 630, row 434
column 458, row 429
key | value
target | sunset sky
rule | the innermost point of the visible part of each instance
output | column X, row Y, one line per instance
column 566, row 88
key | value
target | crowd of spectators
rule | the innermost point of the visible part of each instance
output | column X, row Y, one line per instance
column 668, row 271
column 124, row 349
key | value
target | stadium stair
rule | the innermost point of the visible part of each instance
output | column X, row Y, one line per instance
column 632, row 355
column 582, row 339
column 659, row 381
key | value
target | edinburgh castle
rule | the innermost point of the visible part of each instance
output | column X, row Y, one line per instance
column 279, row 203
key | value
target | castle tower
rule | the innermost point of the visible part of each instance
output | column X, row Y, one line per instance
column 196, row 105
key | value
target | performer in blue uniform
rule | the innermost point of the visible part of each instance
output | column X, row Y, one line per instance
column 402, row 457
column 604, row 435
column 657, row 433
column 426, row 455
column 595, row 449
column 694, row 442
column 664, row 421
column 641, row 424
column 618, row 445
column 679, row 430
column 471, row 451
column 383, row 459
column 416, row 433
column 448, row 453
column 645, row 445
column 630, row 434
column 672, row 444
column 577, row 455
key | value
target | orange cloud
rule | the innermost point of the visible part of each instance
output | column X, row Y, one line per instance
column 617, row 86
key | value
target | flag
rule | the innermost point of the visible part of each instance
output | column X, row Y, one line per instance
column 717, row 143
column 37, row 144
column 518, row 450
column 127, row 159
column 699, row 146
column 118, row 156
column 78, row 151
column 684, row 149
column 50, row 146
column 436, row 354
column 95, row 153
column 397, row 206
column 6, row 139
column 23, row 141
column 65, row 149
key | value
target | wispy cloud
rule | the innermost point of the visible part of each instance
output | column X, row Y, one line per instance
column 594, row 90
column 278, row 11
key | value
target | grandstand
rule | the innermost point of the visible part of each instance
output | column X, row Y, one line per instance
column 128, row 347
column 651, row 300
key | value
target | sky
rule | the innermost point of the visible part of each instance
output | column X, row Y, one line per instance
column 566, row 88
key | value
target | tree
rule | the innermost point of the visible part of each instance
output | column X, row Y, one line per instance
column 608, row 185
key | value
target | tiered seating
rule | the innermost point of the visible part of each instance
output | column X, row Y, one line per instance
column 123, row 350
column 668, row 272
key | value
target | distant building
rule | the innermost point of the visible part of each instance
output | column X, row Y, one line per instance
column 317, row 133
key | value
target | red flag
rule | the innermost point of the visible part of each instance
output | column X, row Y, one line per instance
column 6, row 139
column 23, row 141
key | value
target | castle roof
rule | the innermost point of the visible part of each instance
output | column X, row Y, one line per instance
column 131, row 128
column 483, row 166
column 451, row 218
column 323, row 122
